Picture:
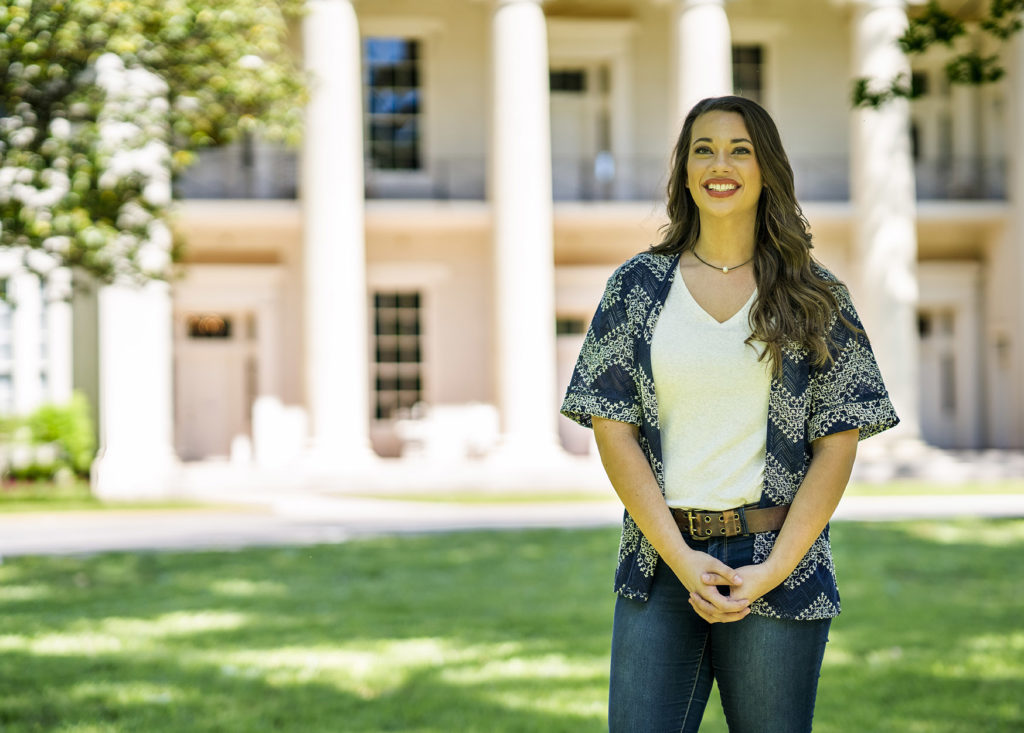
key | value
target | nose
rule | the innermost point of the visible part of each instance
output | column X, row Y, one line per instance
column 721, row 161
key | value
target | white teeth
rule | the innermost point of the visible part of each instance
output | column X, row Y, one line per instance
column 722, row 186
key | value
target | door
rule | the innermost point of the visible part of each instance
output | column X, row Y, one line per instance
column 939, row 401
column 580, row 131
column 215, row 368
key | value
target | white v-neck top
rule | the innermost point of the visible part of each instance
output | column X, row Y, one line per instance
column 712, row 404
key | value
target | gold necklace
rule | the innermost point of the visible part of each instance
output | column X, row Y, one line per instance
column 724, row 270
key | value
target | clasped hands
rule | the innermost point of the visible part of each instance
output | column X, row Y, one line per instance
column 705, row 574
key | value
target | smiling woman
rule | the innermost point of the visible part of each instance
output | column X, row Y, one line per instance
column 727, row 380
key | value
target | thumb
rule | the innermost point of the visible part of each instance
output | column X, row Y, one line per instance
column 723, row 572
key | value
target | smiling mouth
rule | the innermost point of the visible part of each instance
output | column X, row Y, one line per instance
column 721, row 190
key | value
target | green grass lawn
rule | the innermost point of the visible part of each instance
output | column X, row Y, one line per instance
column 481, row 631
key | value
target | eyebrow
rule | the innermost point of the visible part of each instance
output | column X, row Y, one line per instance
column 735, row 140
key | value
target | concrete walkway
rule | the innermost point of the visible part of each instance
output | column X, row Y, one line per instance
column 279, row 519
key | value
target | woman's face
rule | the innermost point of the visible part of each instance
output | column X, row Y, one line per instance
column 721, row 166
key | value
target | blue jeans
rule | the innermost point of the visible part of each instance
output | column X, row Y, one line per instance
column 665, row 657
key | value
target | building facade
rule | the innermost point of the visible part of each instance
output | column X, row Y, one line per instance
column 417, row 280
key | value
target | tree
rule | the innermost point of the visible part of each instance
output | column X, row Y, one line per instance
column 103, row 101
column 935, row 25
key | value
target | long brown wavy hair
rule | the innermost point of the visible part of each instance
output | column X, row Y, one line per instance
column 794, row 303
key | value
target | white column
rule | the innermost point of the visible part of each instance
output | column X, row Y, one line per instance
column 59, row 378
column 1007, row 430
column 136, row 457
column 521, row 203
column 703, row 54
column 26, row 341
column 884, row 217
column 336, row 341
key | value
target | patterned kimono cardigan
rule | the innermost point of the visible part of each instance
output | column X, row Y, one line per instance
column 613, row 379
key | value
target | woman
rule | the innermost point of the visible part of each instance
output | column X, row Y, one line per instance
column 727, row 380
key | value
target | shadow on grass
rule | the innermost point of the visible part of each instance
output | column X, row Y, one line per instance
column 496, row 631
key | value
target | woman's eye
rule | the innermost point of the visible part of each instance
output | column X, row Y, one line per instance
column 741, row 151
column 702, row 150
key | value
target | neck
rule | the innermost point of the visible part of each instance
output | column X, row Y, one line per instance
column 726, row 241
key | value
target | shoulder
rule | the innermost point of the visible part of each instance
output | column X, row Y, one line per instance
column 834, row 284
column 645, row 267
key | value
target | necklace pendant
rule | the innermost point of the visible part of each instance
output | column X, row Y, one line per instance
column 725, row 270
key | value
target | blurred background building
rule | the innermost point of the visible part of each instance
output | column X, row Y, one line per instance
column 418, row 279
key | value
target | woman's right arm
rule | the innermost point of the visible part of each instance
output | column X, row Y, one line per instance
column 633, row 480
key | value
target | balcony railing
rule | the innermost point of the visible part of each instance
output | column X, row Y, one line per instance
column 974, row 178
column 573, row 179
column 961, row 178
column 242, row 170
column 263, row 172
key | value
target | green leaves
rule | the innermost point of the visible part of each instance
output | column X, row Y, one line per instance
column 935, row 25
column 225, row 67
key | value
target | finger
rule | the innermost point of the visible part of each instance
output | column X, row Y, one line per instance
column 712, row 595
column 710, row 614
column 719, row 569
column 716, row 578
column 718, row 604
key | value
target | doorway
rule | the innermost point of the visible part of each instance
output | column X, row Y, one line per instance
column 215, row 381
column 581, row 138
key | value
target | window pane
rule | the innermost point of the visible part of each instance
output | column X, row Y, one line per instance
column 393, row 103
column 398, row 381
column 407, row 102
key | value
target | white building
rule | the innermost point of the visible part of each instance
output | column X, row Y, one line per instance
column 472, row 172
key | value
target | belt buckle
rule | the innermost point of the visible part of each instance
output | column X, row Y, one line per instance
column 693, row 518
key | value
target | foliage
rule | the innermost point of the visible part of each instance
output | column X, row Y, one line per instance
column 935, row 25
column 70, row 426
column 482, row 631
column 49, row 441
column 102, row 100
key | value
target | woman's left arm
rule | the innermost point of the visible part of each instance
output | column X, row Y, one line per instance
column 818, row 497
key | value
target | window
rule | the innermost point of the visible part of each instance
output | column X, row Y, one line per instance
column 747, row 77
column 919, row 84
column 397, row 353
column 568, row 80
column 393, row 106
column 209, row 326
column 570, row 326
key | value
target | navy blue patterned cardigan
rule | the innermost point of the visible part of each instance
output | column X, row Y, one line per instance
column 613, row 379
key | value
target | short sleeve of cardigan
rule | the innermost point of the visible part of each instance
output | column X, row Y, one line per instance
column 849, row 392
column 603, row 382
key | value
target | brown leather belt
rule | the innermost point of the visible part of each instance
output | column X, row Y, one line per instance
column 730, row 523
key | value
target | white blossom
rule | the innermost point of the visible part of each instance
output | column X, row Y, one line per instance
column 158, row 192
column 114, row 133
column 159, row 235
column 59, row 245
column 60, row 128
column 250, row 62
column 123, row 244
column 132, row 216
column 40, row 261
column 152, row 258
column 23, row 137
column 56, row 187
column 186, row 103
column 9, row 124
